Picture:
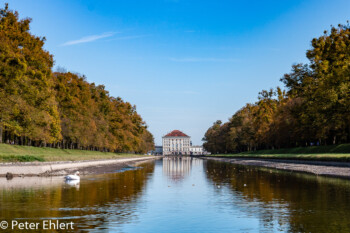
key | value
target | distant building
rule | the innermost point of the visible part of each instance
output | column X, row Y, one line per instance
column 158, row 150
column 196, row 150
column 176, row 143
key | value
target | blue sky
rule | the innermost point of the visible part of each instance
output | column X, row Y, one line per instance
column 184, row 64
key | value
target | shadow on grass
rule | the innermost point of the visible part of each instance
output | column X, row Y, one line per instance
column 21, row 158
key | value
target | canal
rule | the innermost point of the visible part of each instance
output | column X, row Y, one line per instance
column 183, row 195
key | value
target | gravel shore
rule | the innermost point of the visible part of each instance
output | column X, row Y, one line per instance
column 323, row 168
column 63, row 168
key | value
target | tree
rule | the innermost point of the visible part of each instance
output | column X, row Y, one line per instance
column 62, row 109
column 314, row 109
column 25, row 82
column 330, row 60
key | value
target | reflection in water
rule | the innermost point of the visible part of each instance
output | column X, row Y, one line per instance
column 100, row 201
column 177, row 168
column 209, row 196
column 74, row 183
column 286, row 201
column 30, row 182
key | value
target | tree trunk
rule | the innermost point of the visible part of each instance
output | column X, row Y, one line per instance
column 0, row 133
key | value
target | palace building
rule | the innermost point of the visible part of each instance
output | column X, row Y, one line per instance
column 176, row 143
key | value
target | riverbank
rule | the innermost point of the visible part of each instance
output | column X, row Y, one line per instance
column 15, row 153
column 337, row 153
column 34, row 161
column 322, row 168
column 63, row 168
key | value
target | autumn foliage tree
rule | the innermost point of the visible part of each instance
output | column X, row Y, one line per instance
column 41, row 108
column 91, row 118
column 29, row 110
column 314, row 108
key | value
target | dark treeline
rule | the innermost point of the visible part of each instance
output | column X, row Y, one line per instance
column 39, row 107
column 313, row 109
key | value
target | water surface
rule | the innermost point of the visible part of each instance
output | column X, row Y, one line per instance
column 184, row 195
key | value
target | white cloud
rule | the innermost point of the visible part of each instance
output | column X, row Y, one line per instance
column 129, row 37
column 87, row 39
column 202, row 59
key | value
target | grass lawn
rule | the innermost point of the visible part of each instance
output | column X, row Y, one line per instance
column 324, row 153
column 13, row 153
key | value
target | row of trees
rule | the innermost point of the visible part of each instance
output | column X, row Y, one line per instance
column 39, row 107
column 312, row 109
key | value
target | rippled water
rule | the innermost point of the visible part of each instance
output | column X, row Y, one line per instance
column 184, row 195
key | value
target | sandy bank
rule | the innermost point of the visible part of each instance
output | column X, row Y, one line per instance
column 62, row 168
column 335, row 169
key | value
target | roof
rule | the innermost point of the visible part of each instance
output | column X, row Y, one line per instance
column 176, row 133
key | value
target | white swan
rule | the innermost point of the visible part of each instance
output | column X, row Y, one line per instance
column 73, row 177
column 74, row 183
